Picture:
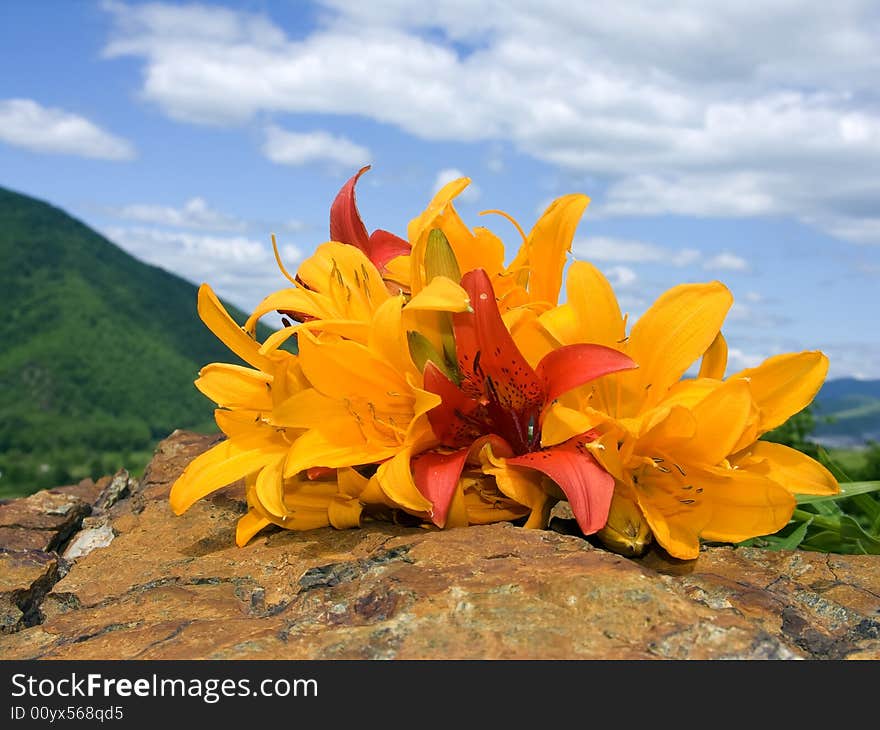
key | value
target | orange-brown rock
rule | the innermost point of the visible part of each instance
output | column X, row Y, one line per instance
column 151, row 585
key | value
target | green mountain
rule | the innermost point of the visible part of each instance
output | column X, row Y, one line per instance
column 847, row 412
column 98, row 351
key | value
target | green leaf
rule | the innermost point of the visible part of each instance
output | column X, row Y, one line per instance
column 795, row 538
column 847, row 489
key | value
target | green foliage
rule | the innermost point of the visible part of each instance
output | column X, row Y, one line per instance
column 848, row 522
column 98, row 351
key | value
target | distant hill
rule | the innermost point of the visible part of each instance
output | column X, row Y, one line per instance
column 847, row 412
column 98, row 350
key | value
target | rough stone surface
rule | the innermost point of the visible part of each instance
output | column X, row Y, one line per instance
column 167, row 587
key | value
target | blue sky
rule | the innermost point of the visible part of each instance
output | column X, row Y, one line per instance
column 739, row 144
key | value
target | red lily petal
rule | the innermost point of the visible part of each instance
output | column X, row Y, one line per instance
column 436, row 477
column 384, row 246
column 487, row 352
column 568, row 367
column 318, row 472
column 449, row 420
column 346, row 225
column 586, row 484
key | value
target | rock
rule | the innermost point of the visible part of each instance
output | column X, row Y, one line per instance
column 146, row 584
column 25, row 576
column 95, row 533
column 42, row 521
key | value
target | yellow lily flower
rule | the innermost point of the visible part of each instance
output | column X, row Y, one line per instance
column 685, row 452
column 255, row 446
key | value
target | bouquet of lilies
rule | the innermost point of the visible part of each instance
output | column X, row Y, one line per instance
column 435, row 384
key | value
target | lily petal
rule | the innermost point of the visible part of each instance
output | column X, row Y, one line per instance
column 449, row 419
column 792, row 469
column 568, row 367
column 595, row 307
column 585, row 483
column 520, row 484
column 249, row 525
column 487, row 351
column 234, row 386
column 744, row 505
column 221, row 465
column 436, row 476
column 217, row 319
column 549, row 243
column 675, row 331
column 396, row 481
column 385, row 246
column 441, row 295
column 346, row 225
column 269, row 489
column 784, row 385
column 714, row 361
column 720, row 418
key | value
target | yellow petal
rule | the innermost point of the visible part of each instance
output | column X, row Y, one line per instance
column 594, row 306
column 562, row 324
column 347, row 277
column 344, row 513
column 531, row 339
column 292, row 299
column 422, row 223
column 420, row 226
column 744, row 504
column 720, row 419
column 549, row 243
column 397, row 274
column 351, row 482
column 388, row 336
column 239, row 421
column 234, row 386
column 269, row 490
column 311, row 409
column 562, row 423
column 677, row 329
column 217, row 319
column 792, row 469
column 714, row 359
column 458, row 511
column 341, row 447
column 249, row 525
column 665, row 428
column 784, row 385
column 223, row 464
column 441, row 295
column 342, row 369
column 521, row 485
column 674, row 510
column 396, row 480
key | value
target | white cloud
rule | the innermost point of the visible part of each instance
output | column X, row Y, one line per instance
column 469, row 195
column 239, row 268
column 692, row 121
column 303, row 148
column 25, row 123
column 620, row 276
column 726, row 261
column 738, row 360
column 195, row 213
column 604, row 248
